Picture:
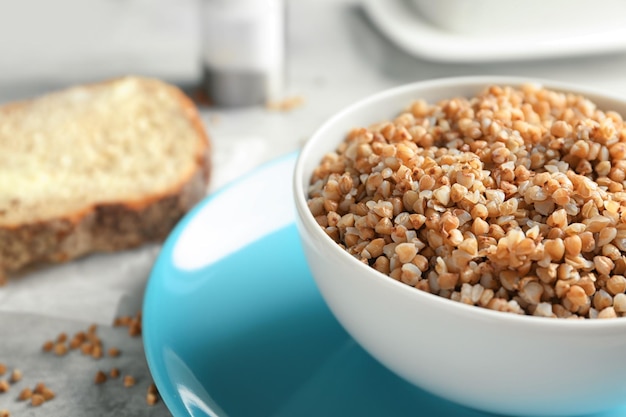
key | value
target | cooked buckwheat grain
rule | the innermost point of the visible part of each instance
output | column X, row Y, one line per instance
column 511, row 200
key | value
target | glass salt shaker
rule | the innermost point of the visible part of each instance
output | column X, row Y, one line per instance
column 243, row 51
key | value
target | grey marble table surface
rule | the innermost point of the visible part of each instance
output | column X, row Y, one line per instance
column 335, row 55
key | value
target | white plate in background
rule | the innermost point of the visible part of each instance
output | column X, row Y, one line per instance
column 401, row 23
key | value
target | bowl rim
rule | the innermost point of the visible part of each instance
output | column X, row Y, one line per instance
column 455, row 307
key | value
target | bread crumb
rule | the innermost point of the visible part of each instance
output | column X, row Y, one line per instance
column 129, row 381
column 215, row 119
column 37, row 400
column 115, row 373
column 16, row 376
column 286, row 104
column 100, row 378
column 25, row 394
column 4, row 386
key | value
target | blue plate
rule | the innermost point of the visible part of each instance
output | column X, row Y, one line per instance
column 234, row 325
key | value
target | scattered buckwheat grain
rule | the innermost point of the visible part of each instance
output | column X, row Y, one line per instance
column 48, row 394
column 152, row 396
column 16, row 376
column 60, row 349
column 25, row 394
column 39, row 388
column 96, row 352
column 129, row 381
column 86, row 348
column 100, row 378
column 36, row 400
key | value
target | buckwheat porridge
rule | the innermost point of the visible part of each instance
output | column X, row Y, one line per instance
column 512, row 200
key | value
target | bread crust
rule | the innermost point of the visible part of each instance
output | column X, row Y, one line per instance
column 110, row 226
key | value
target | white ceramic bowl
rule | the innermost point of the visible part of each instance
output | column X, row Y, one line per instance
column 488, row 360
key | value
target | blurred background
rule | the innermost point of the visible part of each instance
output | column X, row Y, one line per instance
column 322, row 54
column 51, row 44
column 304, row 60
column 331, row 45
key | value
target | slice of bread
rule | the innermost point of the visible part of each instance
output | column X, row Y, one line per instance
column 99, row 167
